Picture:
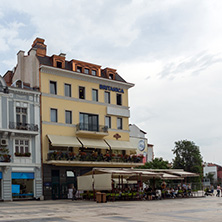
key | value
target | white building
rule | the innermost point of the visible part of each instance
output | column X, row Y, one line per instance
column 138, row 140
column 20, row 150
column 210, row 168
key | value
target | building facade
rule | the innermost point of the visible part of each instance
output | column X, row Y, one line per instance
column 84, row 117
column 150, row 152
column 20, row 153
column 138, row 139
column 140, row 142
column 215, row 170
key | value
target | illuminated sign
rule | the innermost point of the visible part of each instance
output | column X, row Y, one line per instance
column 110, row 88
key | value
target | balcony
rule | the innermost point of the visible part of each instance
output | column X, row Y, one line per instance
column 23, row 126
column 91, row 129
column 94, row 159
column 5, row 158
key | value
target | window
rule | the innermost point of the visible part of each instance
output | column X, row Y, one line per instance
column 119, row 123
column 53, row 113
column 68, row 115
column 108, row 121
column 94, row 72
column 95, row 95
column 53, row 87
column 79, row 69
column 70, row 174
column 110, row 76
column 81, row 92
column 67, row 90
column 21, row 116
column 88, row 122
column 119, row 99
column 86, row 71
column 21, row 146
column 107, row 97
column 59, row 64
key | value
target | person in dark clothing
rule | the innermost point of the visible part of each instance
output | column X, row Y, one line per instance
column 74, row 194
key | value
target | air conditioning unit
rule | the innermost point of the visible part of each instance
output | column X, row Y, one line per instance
column 4, row 142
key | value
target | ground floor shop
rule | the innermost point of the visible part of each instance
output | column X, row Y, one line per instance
column 58, row 180
column 20, row 183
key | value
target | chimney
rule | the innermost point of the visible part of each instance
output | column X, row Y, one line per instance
column 40, row 47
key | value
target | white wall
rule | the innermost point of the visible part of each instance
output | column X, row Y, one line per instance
column 210, row 169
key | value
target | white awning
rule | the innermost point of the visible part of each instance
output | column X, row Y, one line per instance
column 64, row 141
column 93, row 143
column 120, row 145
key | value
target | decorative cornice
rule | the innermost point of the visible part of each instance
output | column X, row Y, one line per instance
column 23, row 91
column 84, row 77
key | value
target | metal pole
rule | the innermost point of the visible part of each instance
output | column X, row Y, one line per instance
column 93, row 180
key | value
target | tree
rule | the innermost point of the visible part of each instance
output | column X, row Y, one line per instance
column 210, row 176
column 157, row 163
column 187, row 157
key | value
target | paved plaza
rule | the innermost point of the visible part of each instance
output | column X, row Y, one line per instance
column 190, row 209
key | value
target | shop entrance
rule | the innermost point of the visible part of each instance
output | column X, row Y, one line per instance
column 22, row 185
column 55, row 184
column 55, row 191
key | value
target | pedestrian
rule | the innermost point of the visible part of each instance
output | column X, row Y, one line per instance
column 74, row 193
column 218, row 190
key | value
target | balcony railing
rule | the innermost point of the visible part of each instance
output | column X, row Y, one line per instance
column 5, row 158
column 91, row 127
column 94, row 157
column 23, row 126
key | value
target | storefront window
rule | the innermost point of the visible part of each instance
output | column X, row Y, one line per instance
column 22, row 185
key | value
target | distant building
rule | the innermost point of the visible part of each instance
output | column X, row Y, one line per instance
column 150, row 152
column 140, row 142
column 215, row 170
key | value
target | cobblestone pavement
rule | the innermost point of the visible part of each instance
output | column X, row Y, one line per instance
column 191, row 209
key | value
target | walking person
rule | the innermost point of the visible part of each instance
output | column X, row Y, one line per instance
column 74, row 194
column 218, row 190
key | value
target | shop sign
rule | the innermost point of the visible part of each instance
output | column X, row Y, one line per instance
column 23, row 175
column 47, row 184
column 110, row 88
column 141, row 145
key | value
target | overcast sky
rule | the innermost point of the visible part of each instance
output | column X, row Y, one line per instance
column 170, row 49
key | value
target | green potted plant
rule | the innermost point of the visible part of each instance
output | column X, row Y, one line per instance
column 4, row 155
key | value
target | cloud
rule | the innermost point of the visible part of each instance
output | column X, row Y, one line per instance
column 192, row 65
column 149, row 42
column 8, row 33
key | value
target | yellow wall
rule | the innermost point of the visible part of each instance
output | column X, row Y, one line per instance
column 63, row 103
column 46, row 78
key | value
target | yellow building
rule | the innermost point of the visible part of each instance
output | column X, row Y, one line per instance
column 84, row 117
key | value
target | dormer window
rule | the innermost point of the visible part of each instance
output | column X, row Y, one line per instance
column 86, row 71
column 110, row 76
column 59, row 64
column 79, row 69
column 94, row 72
column 19, row 84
